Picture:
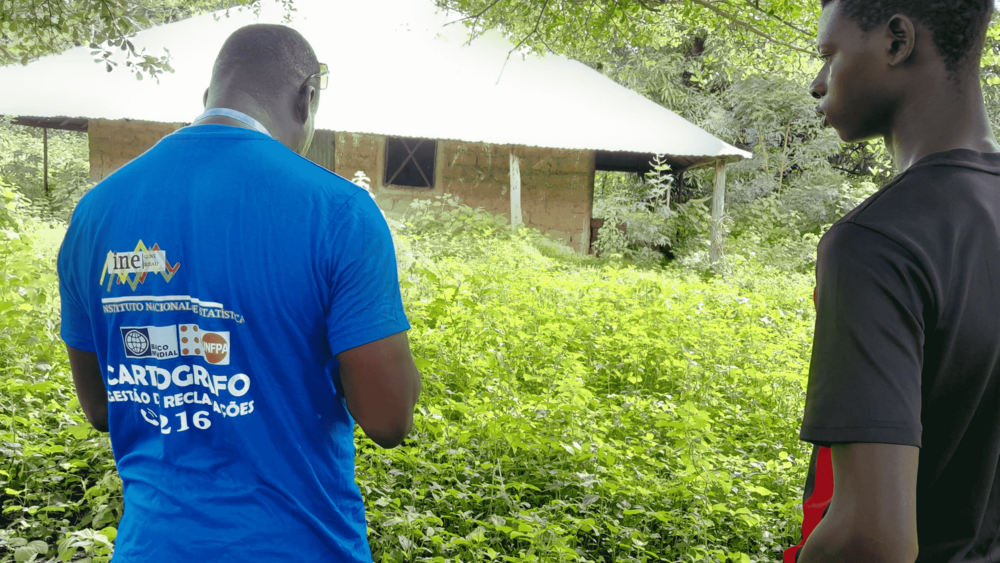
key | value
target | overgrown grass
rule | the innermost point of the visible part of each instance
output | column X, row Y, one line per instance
column 573, row 410
column 57, row 476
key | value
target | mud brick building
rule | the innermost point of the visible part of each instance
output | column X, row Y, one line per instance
column 411, row 103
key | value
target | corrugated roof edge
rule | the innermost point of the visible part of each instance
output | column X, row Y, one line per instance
column 731, row 155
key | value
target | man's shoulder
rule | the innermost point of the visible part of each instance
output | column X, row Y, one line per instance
column 913, row 193
column 267, row 159
column 336, row 193
column 938, row 197
column 325, row 177
column 302, row 175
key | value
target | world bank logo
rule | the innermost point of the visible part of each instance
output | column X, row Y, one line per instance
column 137, row 341
column 156, row 342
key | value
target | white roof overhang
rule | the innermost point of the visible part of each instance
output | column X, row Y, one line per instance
column 396, row 69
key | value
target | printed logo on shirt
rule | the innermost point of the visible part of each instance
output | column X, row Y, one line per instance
column 213, row 346
column 131, row 268
column 157, row 342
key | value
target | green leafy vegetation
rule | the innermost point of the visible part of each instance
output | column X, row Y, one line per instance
column 22, row 165
column 593, row 412
column 631, row 407
column 780, row 27
column 573, row 409
column 30, row 29
column 741, row 71
column 57, row 475
column 799, row 181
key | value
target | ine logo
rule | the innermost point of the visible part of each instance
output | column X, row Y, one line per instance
column 157, row 342
column 131, row 268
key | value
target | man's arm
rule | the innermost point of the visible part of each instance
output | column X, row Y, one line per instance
column 873, row 514
column 89, row 382
column 381, row 385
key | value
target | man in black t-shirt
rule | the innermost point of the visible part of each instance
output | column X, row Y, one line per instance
column 903, row 402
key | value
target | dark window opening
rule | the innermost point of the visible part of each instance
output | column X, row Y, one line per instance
column 410, row 162
column 608, row 161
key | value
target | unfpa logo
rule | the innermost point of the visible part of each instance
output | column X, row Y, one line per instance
column 213, row 346
column 132, row 267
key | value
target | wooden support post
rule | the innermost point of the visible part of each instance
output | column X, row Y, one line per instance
column 45, row 159
column 515, row 191
column 718, row 211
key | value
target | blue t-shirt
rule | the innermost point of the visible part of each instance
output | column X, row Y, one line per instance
column 216, row 277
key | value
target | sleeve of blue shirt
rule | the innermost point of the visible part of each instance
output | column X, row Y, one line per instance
column 365, row 304
column 76, row 330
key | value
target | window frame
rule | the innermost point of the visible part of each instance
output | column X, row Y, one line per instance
column 389, row 176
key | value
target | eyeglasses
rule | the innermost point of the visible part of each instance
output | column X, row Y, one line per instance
column 323, row 74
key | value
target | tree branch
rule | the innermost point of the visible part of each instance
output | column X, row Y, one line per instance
column 648, row 7
column 613, row 21
column 749, row 26
column 851, row 172
column 776, row 18
column 7, row 54
column 476, row 16
column 538, row 22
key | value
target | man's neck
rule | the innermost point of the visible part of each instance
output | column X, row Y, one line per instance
column 242, row 104
column 943, row 116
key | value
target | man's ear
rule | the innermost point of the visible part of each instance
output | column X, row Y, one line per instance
column 902, row 37
column 303, row 103
column 204, row 99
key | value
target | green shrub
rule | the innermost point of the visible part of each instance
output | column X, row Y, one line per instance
column 642, row 219
column 56, row 473
column 573, row 410
column 22, row 164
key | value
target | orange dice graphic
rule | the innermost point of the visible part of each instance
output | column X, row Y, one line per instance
column 213, row 346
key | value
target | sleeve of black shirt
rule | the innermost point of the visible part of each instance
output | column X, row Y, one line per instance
column 864, row 378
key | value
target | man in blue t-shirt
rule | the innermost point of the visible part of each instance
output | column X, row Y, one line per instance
column 230, row 309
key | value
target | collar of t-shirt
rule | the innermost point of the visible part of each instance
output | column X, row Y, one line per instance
column 233, row 114
column 985, row 161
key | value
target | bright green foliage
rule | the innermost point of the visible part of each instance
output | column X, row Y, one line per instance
column 779, row 27
column 760, row 36
column 30, row 29
column 643, row 221
column 55, row 471
column 637, row 213
column 22, row 165
column 96, row 546
column 734, row 69
column 800, row 175
column 592, row 413
column 573, row 410
column 445, row 215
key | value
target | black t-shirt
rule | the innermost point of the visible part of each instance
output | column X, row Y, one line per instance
column 907, row 345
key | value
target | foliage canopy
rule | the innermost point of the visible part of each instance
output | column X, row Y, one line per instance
column 591, row 29
column 573, row 410
column 33, row 28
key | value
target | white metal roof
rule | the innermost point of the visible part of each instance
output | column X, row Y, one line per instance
column 397, row 69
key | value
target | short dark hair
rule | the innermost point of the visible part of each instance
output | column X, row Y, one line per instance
column 265, row 58
column 958, row 26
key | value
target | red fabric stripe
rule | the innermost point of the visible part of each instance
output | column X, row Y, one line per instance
column 814, row 506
